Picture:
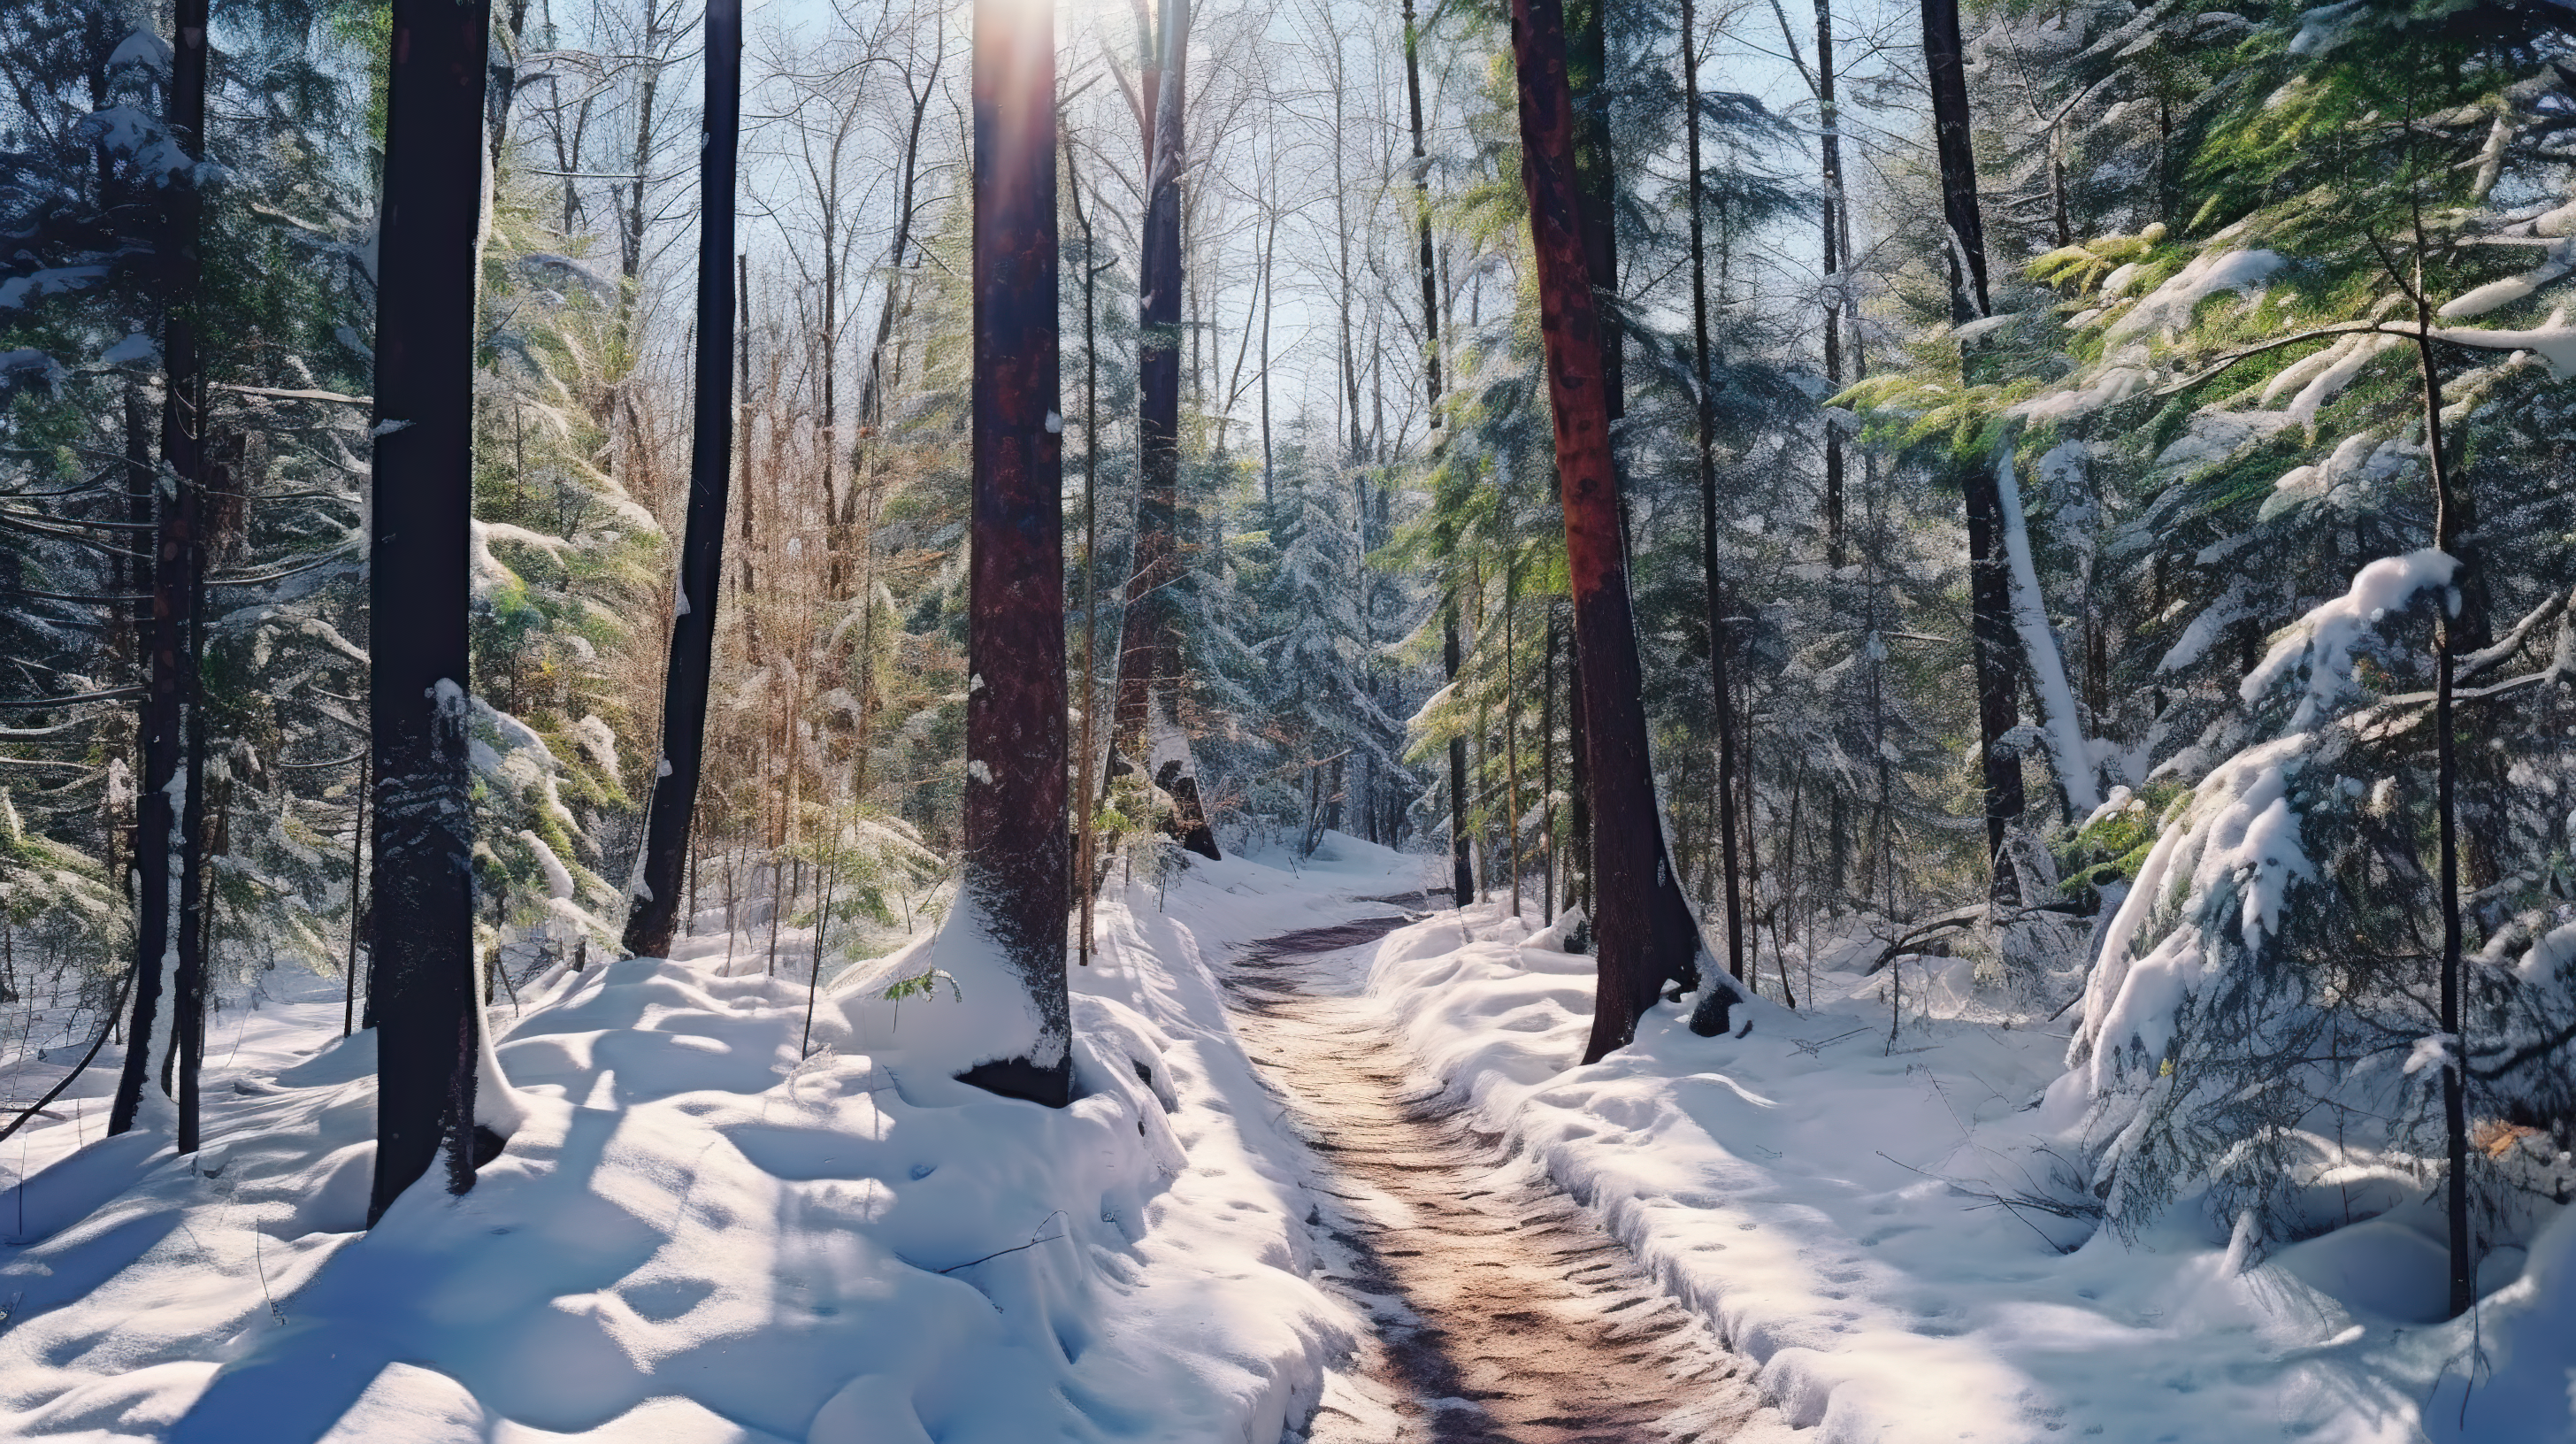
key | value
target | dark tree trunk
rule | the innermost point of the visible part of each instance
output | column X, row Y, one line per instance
column 1830, row 147
column 1149, row 640
column 2448, row 506
column 188, row 1006
column 1965, row 244
column 1638, row 897
column 1547, row 903
column 1424, row 257
column 1998, row 672
column 1461, row 863
column 1085, row 798
column 1713, row 588
column 656, row 906
column 1462, row 860
column 1578, row 810
column 1016, row 866
column 423, row 989
column 1989, row 595
column 163, row 845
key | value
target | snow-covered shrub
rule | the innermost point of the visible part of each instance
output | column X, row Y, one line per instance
column 2262, row 1017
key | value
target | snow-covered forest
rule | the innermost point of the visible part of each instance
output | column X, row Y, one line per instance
column 869, row 721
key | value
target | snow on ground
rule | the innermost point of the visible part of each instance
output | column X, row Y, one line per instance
column 695, row 1238
column 1828, row 1199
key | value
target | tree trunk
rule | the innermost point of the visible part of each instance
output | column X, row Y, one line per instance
column 1512, row 734
column 1587, row 74
column 423, row 988
column 1989, row 588
column 1149, row 643
column 161, row 842
column 1423, row 252
column 2447, row 509
column 188, row 1014
column 1639, row 898
column 1462, row 862
column 668, row 816
column 1085, row 798
column 1965, row 244
column 1713, row 589
column 1547, row 904
column 1016, row 870
column 1830, row 148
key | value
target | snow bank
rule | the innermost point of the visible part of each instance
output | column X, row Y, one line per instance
column 1853, row 1214
column 694, row 1237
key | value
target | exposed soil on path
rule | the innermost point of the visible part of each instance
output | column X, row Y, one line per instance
column 1503, row 1312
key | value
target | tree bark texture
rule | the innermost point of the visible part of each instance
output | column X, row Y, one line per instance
column 1149, row 661
column 1587, row 73
column 422, row 992
column 1966, row 247
column 170, row 685
column 1713, row 588
column 2447, row 518
column 654, row 913
column 1997, row 657
column 1017, row 871
column 1830, row 151
column 1462, row 859
column 1636, row 891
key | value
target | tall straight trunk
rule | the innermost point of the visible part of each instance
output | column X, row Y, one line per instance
column 1424, row 256
column 161, row 841
column 1149, row 642
column 1640, row 900
column 1989, row 585
column 1512, row 734
column 1462, row 860
column 357, row 879
column 1713, row 588
column 748, row 578
column 1084, row 795
column 631, row 223
column 1587, row 74
column 670, row 813
column 188, row 1009
column 423, row 989
column 1830, row 152
column 2447, row 508
column 1547, row 904
column 1578, row 810
column 1964, row 247
column 1016, row 867
column 1269, row 468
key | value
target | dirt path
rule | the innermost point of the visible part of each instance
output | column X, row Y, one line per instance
column 1504, row 1313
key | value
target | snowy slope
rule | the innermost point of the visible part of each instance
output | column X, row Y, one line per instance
column 1829, row 1201
column 696, row 1238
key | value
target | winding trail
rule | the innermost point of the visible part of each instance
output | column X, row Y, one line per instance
column 1503, row 1311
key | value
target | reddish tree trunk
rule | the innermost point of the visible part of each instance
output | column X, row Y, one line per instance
column 1017, row 872
column 1636, row 894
